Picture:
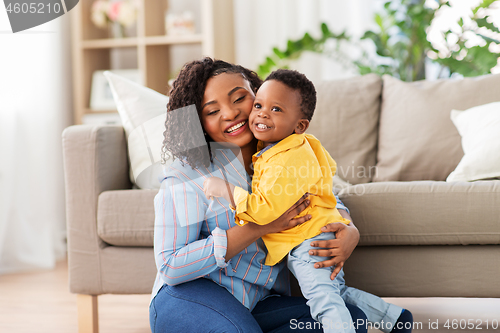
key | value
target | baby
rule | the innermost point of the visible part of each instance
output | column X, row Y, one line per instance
column 289, row 164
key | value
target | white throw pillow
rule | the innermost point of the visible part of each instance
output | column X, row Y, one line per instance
column 143, row 112
column 479, row 128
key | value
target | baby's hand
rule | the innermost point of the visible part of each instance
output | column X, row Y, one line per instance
column 214, row 187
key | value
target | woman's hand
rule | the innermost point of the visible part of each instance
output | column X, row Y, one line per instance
column 340, row 248
column 288, row 219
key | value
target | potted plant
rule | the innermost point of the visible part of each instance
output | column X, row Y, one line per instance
column 401, row 45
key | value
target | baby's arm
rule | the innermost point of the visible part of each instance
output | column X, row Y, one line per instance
column 217, row 187
column 278, row 188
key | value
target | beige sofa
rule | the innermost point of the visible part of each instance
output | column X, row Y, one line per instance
column 393, row 141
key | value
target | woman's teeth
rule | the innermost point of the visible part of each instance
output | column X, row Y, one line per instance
column 235, row 127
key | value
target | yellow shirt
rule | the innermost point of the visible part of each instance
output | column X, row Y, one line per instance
column 282, row 174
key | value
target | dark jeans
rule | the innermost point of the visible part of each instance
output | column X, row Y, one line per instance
column 204, row 306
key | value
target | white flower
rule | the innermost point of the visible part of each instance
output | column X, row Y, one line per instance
column 127, row 14
column 100, row 6
column 99, row 19
column 98, row 13
column 105, row 11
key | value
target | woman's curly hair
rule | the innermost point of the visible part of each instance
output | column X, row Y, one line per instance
column 189, row 89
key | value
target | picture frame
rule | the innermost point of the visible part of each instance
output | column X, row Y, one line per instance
column 101, row 97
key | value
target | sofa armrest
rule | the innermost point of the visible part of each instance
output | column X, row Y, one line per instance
column 95, row 160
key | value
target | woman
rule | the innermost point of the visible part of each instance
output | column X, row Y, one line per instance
column 196, row 237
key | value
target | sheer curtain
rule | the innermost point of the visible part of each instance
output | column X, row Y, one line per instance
column 35, row 106
column 263, row 24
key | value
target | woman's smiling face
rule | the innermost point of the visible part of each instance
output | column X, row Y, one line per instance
column 226, row 105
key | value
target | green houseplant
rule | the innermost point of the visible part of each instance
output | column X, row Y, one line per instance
column 401, row 43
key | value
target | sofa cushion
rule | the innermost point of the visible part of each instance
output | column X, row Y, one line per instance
column 417, row 140
column 143, row 112
column 386, row 213
column 346, row 123
column 479, row 128
column 126, row 217
column 425, row 212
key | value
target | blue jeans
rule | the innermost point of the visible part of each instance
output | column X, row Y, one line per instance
column 327, row 299
column 204, row 306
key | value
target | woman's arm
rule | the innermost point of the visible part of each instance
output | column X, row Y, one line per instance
column 180, row 254
column 340, row 248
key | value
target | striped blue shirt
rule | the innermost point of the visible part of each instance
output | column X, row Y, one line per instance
column 190, row 234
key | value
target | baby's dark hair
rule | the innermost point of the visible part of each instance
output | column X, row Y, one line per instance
column 302, row 84
column 188, row 89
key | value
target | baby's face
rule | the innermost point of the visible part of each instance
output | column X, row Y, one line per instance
column 276, row 112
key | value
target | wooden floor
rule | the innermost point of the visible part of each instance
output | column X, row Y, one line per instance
column 40, row 302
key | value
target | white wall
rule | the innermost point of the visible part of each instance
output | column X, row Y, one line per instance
column 263, row 24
